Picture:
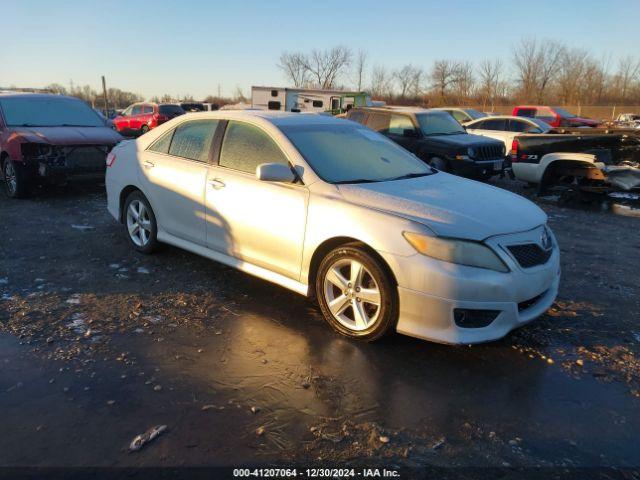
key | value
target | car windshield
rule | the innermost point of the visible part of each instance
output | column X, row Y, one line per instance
column 344, row 153
column 27, row 111
column 170, row 109
column 439, row 123
column 475, row 114
column 563, row 113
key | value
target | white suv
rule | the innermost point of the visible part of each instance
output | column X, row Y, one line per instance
column 331, row 209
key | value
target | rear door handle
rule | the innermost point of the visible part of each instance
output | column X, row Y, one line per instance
column 148, row 164
column 217, row 183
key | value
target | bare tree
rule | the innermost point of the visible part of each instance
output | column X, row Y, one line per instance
column 359, row 68
column 443, row 74
column 381, row 82
column 537, row 65
column 324, row 66
column 571, row 76
column 294, row 65
column 408, row 79
column 490, row 81
column 627, row 74
column 463, row 81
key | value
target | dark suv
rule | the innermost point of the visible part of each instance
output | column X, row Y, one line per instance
column 48, row 137
column 436, row 138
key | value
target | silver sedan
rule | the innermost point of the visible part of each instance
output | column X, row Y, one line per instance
column 330, row 209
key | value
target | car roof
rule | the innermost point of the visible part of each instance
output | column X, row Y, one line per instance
column 396, row 108
column 10, row 94
column 278, row 118
column 503, row 117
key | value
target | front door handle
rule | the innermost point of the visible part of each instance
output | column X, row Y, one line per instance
column 217, row 183
column 148, row 164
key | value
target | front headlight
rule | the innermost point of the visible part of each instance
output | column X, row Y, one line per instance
column 471, row 152
column 462, row 252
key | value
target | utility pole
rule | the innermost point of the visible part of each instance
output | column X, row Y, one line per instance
column 104, row 95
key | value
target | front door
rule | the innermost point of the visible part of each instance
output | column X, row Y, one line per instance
column 260, row 222
column 174, row 173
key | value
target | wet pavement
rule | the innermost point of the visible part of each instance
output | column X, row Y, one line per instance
column 98, row 343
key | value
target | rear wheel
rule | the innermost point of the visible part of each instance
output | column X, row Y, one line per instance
column 356, row 295
column 140, row 222
column 16, row 182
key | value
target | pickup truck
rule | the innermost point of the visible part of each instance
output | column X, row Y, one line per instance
column 436, row 138
column 541, row 154
column 554, row 116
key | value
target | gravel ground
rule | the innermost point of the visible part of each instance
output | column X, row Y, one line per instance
column 98, row 344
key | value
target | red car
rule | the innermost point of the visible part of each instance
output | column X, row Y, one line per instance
column 139, row 118
column 46, row 138
column 554, row 116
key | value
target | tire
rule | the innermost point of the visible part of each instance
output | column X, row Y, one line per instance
column 340, row 290
column 438, row 164
column 144, row 129
column 15, row 179
column 140, row 223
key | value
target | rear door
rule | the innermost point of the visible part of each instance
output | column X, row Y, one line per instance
column 147, row 115
column 174, row 172
column 260, row 222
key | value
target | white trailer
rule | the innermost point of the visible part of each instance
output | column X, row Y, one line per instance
column 306, row 99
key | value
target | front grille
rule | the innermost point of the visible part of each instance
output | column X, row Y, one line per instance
column 489, row 152
column 530, row 254
column 530, row 303
column 73, row 158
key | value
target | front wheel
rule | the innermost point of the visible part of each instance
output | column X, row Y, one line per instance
column 16, row 181
column 144, row 129
column 438, row 164
column 140, row 222
column 356, row 295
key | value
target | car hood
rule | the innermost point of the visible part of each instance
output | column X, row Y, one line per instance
column 450, row 206
column 464, row 140
column 69, row 135
column 583, row 121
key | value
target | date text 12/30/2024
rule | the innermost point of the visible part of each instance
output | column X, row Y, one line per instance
column 315, row 473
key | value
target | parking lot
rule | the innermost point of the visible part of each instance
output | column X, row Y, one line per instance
column 98, row 343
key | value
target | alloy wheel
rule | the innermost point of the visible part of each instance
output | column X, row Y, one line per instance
column 10, row 177
column 138, row 223
column 352, row 294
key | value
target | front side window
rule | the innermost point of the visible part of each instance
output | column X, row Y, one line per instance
column 192, row 140
column 136, row 110
column 439, row 123
column 527, row 112
column 494, row 124
column 350, row 153
column 399, row 123
column 545, row 113
column 245, row 147
column 461, row 117
column 53, row 111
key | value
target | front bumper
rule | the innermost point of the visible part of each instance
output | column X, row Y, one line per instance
column 429, row 291
column 68, row 160
column 477, row 168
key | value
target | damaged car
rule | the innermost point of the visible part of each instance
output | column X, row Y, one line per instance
column 590, row 160
column 47, row 138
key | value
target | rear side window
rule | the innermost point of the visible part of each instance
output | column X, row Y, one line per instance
column 399, row 123
column 526, row 112
column 459, row 116
column 356, row 117
column 162, row 144
column 192, row 140
column 495, row 124
column 378, row 122
column 147, row 109
column 245, row 147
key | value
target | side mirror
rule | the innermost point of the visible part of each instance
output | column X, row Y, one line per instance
column 275, row 172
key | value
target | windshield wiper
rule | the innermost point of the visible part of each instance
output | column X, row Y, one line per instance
column 410, row 175
column 356, row 180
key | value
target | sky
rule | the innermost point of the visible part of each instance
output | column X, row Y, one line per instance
column 190, row 47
